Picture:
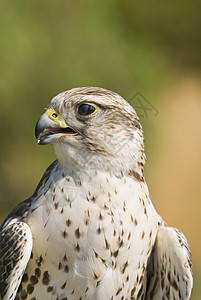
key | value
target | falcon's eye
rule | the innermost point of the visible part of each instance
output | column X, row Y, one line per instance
column 54, row 115
column 86, row 109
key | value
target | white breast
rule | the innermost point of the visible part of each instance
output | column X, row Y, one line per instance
column 94, row 237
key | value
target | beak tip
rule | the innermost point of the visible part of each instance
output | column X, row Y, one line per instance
column 37, row 129
column 41, row 125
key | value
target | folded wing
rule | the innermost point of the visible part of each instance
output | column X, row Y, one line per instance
column 15, row 251
column 169, row 273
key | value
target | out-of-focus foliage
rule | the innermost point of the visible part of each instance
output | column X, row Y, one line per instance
column 127, row 46
column 173, row 25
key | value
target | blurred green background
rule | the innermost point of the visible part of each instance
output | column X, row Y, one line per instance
column 126, row 46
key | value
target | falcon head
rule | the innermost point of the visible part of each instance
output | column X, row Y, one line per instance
column 95, row 128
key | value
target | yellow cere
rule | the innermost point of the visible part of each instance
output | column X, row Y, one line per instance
column 52, row 114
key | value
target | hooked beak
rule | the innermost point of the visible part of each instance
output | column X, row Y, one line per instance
column 48, row 131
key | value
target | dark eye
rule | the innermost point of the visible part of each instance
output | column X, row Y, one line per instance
column 86, row 109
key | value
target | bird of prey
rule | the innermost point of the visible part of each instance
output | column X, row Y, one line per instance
column 90, row 231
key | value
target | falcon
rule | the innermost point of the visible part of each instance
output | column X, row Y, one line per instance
column 90, row 231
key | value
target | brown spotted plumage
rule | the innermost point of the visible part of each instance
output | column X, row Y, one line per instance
column 90, row 231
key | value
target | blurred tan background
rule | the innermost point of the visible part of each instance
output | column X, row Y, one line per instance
column 127, row 46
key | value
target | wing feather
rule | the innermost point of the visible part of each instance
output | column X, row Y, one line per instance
column 15, row 251
column 169, row 272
